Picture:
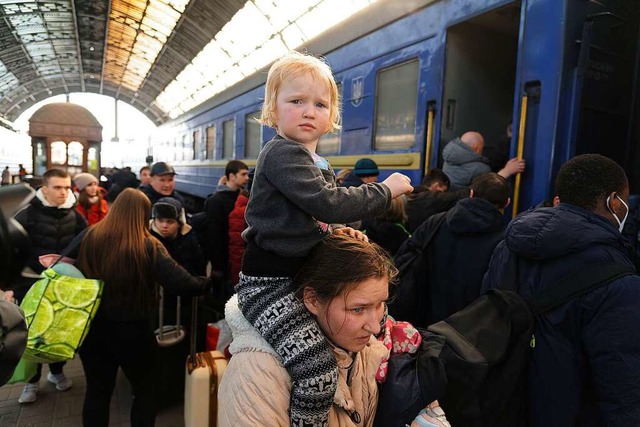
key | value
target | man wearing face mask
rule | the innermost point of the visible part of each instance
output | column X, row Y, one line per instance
column 585, row 363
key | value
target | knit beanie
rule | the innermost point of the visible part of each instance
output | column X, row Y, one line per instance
column 83, row 179
column 169, row 208
column 366, row 167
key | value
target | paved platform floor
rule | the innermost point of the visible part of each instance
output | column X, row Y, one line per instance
column 64, row 409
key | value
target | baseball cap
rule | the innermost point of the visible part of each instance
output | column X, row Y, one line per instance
column 162, row 168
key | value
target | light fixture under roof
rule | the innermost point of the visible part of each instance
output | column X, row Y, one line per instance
column 276, row 26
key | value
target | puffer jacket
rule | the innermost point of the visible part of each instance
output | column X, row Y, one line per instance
column 256, row 388
column 237, row 224
column 96, row 211
column 462, row 164
column 50, row 228
column 585, row 366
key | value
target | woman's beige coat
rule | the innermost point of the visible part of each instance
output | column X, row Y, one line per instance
column 256, row 387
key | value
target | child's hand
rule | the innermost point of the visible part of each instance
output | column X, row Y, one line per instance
column 351, row 232
column 399, row 184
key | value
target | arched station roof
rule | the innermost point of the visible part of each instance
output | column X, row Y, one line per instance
column 164, row 57
column 128, row 49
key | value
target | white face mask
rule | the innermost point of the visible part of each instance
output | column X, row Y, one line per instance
column 620, row 223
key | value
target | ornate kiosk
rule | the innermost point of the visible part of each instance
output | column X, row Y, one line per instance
column 65, row 136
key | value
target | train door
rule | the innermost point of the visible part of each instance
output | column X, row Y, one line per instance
column 605, row 94
column 480, row 74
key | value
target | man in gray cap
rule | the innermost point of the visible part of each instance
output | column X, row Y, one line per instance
column 162, row 183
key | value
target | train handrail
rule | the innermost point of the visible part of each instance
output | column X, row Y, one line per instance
column 521, row 129
column 430, row 119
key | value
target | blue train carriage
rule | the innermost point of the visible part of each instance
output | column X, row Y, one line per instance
column 414, row 75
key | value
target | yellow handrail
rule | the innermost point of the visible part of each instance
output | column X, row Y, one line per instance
column 427, row 155
column 521, row 130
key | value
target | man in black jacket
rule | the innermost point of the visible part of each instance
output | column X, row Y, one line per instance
column 162, row 183
column 455, row 261
column 217, row 207
column 52, row 222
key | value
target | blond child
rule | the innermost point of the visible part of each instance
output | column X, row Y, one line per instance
column 293, row 199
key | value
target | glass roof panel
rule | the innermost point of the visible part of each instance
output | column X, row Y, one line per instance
column 276, row 27
column 140, row 28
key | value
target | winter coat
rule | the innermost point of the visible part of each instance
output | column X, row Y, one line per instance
column 352, row 180
column 184, row 248
column 237, row 244
column 154, row 196
column 50, row 228
column 462, row 164
column 96, row 212
column 458, row 256
column 256, row 388
column 218, row 207
column 389, row 235
column 585, row 366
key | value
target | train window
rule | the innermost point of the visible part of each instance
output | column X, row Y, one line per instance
column 198, row 147
column 396, row 100
column 211, row 142
column 252, row 135
column 330, row 142
column 228, row 138
column 187, row 148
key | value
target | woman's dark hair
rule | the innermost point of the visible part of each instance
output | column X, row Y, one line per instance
column 118, row 251
column 83, row 199
column 340, row 263
column 587, row 178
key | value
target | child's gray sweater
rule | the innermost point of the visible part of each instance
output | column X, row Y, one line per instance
column 291, row 197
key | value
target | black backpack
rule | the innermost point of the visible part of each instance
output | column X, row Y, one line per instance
column 411, row 292
column 488, row 343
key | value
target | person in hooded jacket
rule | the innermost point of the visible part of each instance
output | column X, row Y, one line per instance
column 52, row 223
column 237, row 245
column 458, row 255
column 463, row 161
column 585, row 363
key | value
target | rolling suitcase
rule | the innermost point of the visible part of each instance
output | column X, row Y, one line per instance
column 203, row 376
column 173, row 348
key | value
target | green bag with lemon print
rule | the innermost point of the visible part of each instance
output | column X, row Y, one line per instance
column 59, row 309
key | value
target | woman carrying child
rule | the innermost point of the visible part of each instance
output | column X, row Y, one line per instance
column 293, row 200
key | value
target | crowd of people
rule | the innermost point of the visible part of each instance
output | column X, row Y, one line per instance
column 305, row 260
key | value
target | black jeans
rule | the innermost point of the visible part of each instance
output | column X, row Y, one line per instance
column 55, row 368
column 131, row 346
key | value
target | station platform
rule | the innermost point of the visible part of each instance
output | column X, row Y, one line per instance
column 64, row 409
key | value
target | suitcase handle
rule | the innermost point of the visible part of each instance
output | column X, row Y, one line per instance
column 194, row 325
column 168, row 335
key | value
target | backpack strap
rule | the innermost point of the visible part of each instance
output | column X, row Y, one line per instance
column 582, row 281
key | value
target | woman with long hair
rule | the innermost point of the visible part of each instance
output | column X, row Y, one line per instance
column 91, row 204
column 121, row 251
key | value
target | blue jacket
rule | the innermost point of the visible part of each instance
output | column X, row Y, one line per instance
column 585, row 366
